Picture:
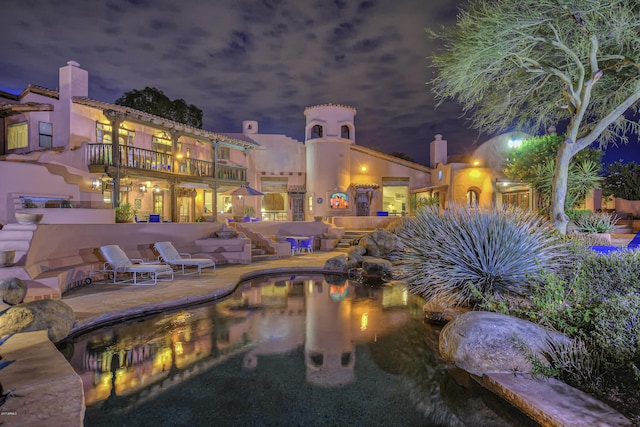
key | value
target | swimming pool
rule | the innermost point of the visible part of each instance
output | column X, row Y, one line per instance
column 282, row 350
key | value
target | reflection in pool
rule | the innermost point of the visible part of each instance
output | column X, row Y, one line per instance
column 285, row 350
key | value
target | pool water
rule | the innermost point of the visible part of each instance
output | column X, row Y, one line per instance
column 283, row 350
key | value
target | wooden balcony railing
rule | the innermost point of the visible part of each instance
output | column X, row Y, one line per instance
column 231, row 173
column 140, row 158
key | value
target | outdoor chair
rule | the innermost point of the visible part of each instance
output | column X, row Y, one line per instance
column 168, row 254
column 119, row 264
column 135, row 217
column 306, row 245
column 154, row 217
column 294, row 245
column 604, row 249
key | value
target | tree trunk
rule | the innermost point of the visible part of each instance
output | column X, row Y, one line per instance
column 559, row 187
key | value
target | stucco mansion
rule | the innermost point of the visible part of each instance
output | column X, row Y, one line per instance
column 61, row 149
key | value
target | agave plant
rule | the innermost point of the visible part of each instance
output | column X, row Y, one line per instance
column 462, row 255
column 596, row 222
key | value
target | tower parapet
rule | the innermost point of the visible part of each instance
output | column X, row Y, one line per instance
column 330, row 121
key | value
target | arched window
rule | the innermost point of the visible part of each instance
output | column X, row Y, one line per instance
column 344, row 131
column 472, row 198
column 316, row 131
column 273, row 202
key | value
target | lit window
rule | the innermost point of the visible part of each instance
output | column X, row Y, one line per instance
column 103, row 134
column 17, row 136
column 161, row 142
column 472, row 198
column 224, row 153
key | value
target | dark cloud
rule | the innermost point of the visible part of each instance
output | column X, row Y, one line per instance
column 249, row 60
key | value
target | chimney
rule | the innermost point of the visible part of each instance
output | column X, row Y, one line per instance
column 74, row 81
column 249, row 127
column 437, row 151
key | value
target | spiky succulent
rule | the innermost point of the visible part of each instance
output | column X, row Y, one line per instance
column 459, row 254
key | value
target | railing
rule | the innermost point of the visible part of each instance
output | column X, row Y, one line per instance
column 231, row 173
column 140, row 158
column 275, row 216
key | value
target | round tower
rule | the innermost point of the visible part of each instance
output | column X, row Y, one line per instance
column 329, row 134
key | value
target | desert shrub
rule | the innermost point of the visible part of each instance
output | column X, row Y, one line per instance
column 605, row 276
column 458, row 254
column 576, row 362
column 595, row 222
column 616, row 324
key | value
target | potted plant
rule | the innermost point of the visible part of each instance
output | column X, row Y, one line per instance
column 125, row 213
column 597, row 224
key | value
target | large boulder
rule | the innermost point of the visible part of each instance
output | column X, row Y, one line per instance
column 376, row 267
column 482, row 342
column 53, row 315
column 337, row 263
column 380, row 243
column 13, row 290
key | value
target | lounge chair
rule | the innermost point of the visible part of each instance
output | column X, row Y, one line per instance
column 154, row 217
column 118, row 263
column 169, row 255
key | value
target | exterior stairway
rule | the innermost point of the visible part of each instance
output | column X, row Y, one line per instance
column 18, row 237
column 349, row 238
column 260, row 254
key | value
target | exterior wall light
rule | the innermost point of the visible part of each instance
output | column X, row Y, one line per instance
column 363, row 168
column 143, row 188
column 96, row 183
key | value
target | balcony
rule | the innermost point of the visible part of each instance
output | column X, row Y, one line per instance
column 165, row 163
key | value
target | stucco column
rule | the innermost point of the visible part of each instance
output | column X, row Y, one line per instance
column 116, row 120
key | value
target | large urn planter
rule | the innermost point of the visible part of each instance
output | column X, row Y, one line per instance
column 7, row 257
column 28, row 218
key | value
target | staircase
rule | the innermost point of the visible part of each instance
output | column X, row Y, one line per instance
column 349, row 238
column 260, row 254
column 18, row 237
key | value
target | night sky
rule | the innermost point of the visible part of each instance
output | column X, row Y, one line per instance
column 251, row 60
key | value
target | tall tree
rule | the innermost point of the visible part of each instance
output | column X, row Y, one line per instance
column 622, row 180
column 533, row 63
column 154, row 101
column 533, row 163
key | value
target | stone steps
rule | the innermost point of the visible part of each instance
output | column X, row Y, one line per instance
column 349, row 238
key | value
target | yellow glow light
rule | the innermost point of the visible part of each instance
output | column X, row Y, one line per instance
column 363, row 168
column 476, row 163
column 364, row 321
column 474, row 173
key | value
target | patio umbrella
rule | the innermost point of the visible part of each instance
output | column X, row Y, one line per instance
column 243, row 191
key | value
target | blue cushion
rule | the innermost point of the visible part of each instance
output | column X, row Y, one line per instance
column 605, row 249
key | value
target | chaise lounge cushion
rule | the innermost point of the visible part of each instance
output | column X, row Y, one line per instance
column 118, row 262
column 171, row 256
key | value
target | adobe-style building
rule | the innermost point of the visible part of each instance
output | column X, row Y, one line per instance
column 61, row 149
